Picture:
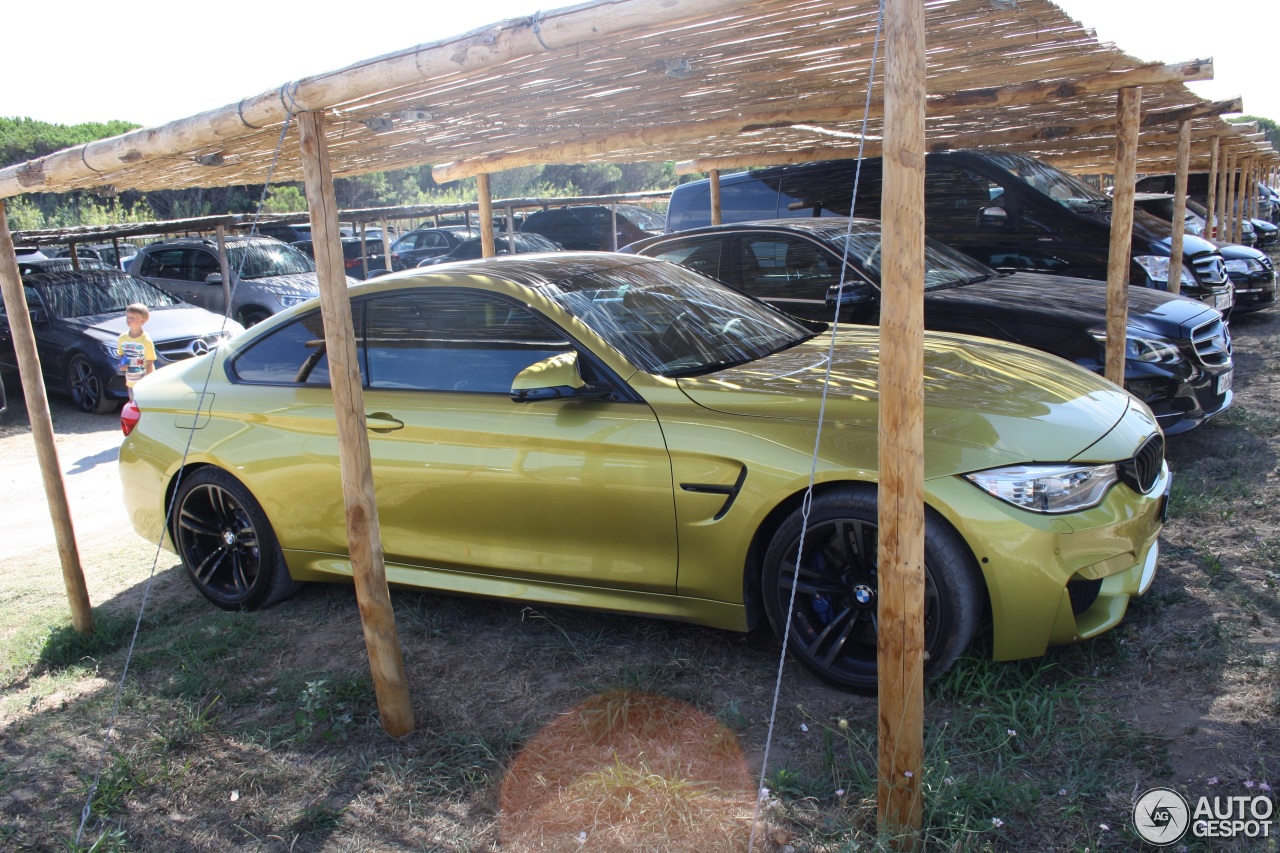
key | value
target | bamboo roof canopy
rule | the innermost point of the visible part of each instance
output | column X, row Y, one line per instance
column 706, row 82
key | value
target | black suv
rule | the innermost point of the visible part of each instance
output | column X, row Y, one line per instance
column 266, row 275
column 1177, row 351
column 590, row 226
column 1009, row 211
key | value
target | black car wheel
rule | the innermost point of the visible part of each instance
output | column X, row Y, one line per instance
column 252, row 316
column 834, row 620
column 227, row 545
column 88, row 391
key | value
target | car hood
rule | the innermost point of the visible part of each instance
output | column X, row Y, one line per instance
column 295, row 284
column 986, row 403
column 1057, row 300
column 1234, row 252
column 165, row 324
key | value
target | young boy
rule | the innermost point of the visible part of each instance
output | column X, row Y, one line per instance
column 137, row 353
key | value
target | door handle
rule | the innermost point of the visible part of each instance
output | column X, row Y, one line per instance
column 381, row 422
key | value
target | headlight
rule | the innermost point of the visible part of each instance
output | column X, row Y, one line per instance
column 1157, row 269
column 1244, row 265
column 1142, row 348
column 112, row 348
column 1047, row 488
column 290, row 301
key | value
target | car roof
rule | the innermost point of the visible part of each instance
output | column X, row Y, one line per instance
column 534, row 269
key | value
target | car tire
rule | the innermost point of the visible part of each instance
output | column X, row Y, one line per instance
column 226, row 543
column 833, row 626
column 252, row 316
column 87, row 389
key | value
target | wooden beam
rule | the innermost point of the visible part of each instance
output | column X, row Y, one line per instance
column 55, row 490
column 367, row 568
column 1036, row 92
column 1127, row 107
column 487, row 247
column 1179, row 207
column 900, row 652
column 1210, row 227
column 714, row 179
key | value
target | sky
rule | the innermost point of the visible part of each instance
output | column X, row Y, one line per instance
column 148, row 63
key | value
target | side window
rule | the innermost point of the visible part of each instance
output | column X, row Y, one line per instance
column 163, row 263
column 954, row 197
column 778, row 266
column 701, row 254
column 33, row 301
column 452, row 340
column 202, row 264
column 292, row 355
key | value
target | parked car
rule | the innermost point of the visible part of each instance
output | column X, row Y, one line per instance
column 469, row 250
column 1009, row 211
column 295, row 232
column 352, row 259
column 77, row 318
column 1198, row 190
column 423, row 243
column 620, row 433
column 591, row 226
column 26, row 267
column 105, row 252
column 1177, row 355
column 272, row 275
column 1252, row 273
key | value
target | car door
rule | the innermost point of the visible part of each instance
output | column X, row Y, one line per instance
column 183, row 272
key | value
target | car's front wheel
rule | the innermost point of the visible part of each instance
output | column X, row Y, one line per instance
column 88, row 391
column 834, row 619
column 252, row 316
column 226, row 543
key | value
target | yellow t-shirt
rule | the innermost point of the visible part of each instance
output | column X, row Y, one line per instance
column 134, row 355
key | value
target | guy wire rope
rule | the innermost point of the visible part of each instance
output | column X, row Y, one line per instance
column 807, row 503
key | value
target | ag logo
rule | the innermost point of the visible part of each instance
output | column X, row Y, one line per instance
column 1161, row 816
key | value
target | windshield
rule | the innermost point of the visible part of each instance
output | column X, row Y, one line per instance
column 671, row 321
column 265, row 259
column 1056, row 184
column 88, row 295
column 943, row 266
column 644, row 218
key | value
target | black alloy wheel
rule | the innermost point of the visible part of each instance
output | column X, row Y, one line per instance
column 88, row 391
column 226, row 543
column 834, row 630
column 252, row 316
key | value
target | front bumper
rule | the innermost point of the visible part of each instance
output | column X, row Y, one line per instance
column 1255, row 291
column 1035, row 564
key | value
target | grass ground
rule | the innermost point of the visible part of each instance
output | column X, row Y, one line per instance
column 566, row 731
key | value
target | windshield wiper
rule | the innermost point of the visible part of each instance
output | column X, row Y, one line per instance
column 703, row 369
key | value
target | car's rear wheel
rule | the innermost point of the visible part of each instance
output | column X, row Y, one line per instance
column 226, row 543
column 88, row 391
column 834, row 622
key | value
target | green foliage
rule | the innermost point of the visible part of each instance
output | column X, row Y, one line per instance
column 23, row 139
column 286, row 198
column 1266, row 125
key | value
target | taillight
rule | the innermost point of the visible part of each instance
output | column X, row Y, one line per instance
column 353, row 262
column 129, row 417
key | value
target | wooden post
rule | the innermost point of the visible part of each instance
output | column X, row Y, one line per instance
column 1223, row 157
column 511, row 229
column 613, row 226
column 75, row 256
column 1128, row 107
column 367, row 568
column 386, row 244
column 364, row 250
column 225, row 266
column 55, row 490
column 1232, row 219
column 1210, row 229
column 115, row 244
column 487, row 248
column 714, row 179
column 900, row 655
column 1179, row 206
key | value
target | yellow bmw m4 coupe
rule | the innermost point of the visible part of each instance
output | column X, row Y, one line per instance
column 620, row 433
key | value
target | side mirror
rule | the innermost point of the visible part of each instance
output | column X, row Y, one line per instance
column 855, row 293
column 993, row 217
column 213, row 278
column 556, row 378
column 38, row 317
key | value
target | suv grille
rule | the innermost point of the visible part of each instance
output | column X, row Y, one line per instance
column 1212, row 343
column 1210, row 270
column 1141, row 472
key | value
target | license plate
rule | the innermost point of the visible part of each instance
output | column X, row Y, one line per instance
column 1224, row 382
column 1222, row 301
